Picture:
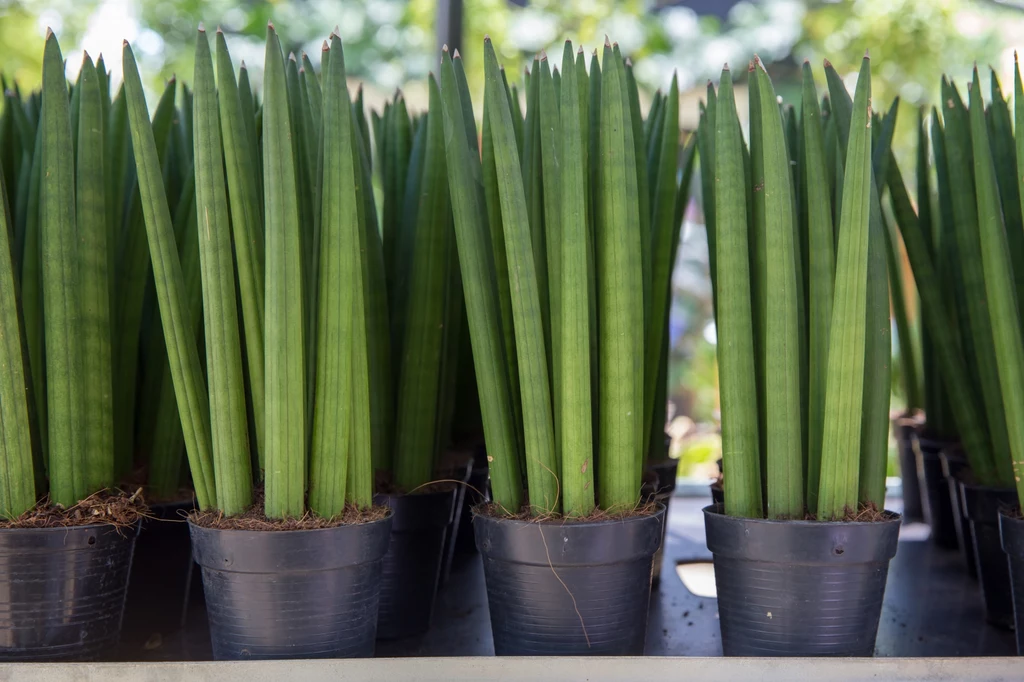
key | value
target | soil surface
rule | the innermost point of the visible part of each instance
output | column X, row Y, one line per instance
column 254, row 518
column 114, row 508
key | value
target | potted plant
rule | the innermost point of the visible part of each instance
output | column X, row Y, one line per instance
column 66, row 541
column 423, row 307
column 568, row 565
column 1011, row 525
column 905, row 422
column 974, row 367
column 657, row 146
column 803, row 350
column 314, row 435
column 161, row 585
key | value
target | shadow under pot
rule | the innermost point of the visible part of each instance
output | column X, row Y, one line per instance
column 954, row 467
column 935, row 499
column 159, row 586
column 63, row 591
column 799, row 588
column 292, row 593
column 981, row 508
column 412, row 565
column 1011, row 529
column 568, row 588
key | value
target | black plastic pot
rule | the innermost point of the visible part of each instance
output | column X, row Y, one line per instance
column 462, row 474
column 981, row 507
column 954, row 467
column 568, row 588
column 158, row 589
column 935, row 499
column 904, row 430
column 477, row 492
column 1011, row 530
column 292, row 593
column 799, row 588
column 62, row 591
column 664, row 473
column 412, row 566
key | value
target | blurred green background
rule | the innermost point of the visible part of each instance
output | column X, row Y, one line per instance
column 393, row 44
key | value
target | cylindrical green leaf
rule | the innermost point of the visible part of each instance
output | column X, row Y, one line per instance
column 95, row 286
column 284, row 351
column 178, row 325
column 228, row 420
column 62, row 293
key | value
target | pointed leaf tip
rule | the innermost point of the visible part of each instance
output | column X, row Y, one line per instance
column 607, row 43
column 220, row 31
column 828, row 64
column 49, row 33
column 325, row 47
column 457, row 55
column 444, row 48
column 543, row 55
column 202, row 27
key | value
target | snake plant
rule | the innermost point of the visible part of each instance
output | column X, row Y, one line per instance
column 801, row 298
column 967, row 262
column 57, row 388
column 566, row 224
column 964, row 257
column 298, row 330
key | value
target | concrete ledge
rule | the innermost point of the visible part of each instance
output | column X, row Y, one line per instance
column 533, row 670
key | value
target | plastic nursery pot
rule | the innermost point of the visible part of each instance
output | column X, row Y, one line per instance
column 664, row 473
column 904, row 430
column 954, row 467
column 412, row 566
column 292, row 593
column 63, row 591
column 1011, row 529
column 462, row 475
column 935, row 499
column 477, row 492
column 568, row 588
column 799, row 588
column 158, row 589
column 981, row 507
